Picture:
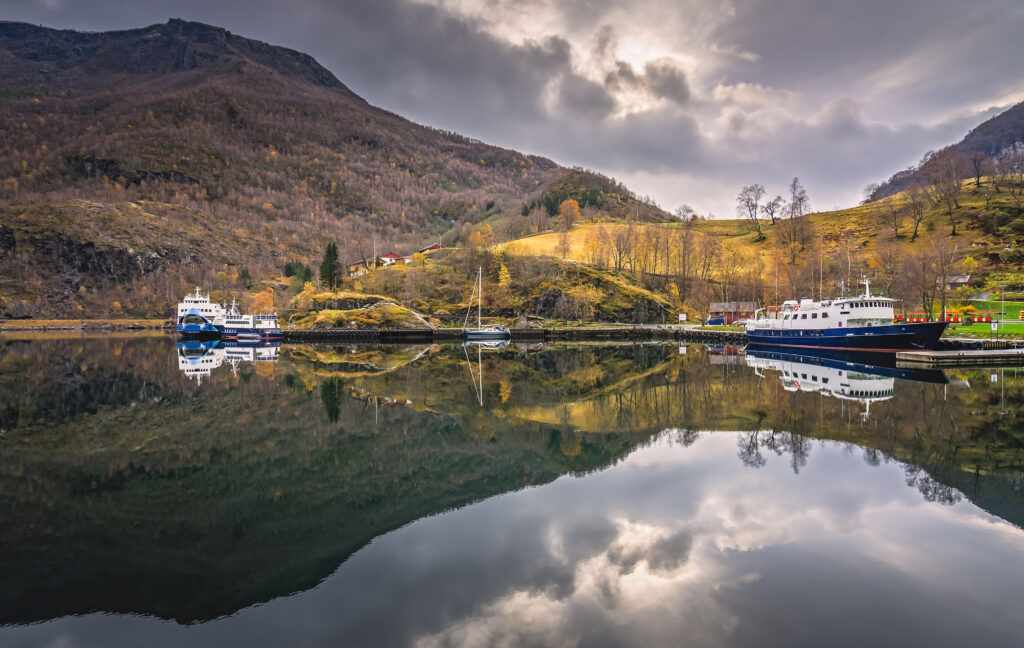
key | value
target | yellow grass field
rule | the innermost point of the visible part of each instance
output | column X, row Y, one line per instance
column 858, row 231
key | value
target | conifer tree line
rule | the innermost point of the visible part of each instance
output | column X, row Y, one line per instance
column 330, row 269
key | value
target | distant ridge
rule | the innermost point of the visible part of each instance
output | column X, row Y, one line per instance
column 175, row 46
column 992, row 138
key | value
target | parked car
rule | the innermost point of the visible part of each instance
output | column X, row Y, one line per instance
column 715, row 321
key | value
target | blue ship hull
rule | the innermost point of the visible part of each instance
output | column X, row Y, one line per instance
column 203, row 330
column 871, row 363
column 896, row 337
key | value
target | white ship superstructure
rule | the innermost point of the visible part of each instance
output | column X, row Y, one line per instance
column 864, row 322
column 236, row 326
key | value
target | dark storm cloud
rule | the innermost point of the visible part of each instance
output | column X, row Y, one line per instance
column 662, row 79
column 667, row 81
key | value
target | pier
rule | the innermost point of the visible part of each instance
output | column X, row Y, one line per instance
column 453, row 335
column 961, row 358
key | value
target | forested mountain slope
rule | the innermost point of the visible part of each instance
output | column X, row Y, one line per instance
column 180, row 153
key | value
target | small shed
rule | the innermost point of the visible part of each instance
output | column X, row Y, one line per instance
column 732, row 311
column 956, row 281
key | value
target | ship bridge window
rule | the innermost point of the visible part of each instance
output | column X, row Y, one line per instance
column 785, row 318
column 824, row 315
column 824, row 381
column 814, row 316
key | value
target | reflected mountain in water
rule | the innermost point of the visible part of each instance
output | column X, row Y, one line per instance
column 137, row 490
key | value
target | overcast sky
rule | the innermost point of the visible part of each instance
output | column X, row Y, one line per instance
column 683, row 100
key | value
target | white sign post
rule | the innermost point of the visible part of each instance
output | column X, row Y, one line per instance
column 682, row 317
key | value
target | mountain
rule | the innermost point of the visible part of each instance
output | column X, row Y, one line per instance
column 136, row 163
column 988, row 143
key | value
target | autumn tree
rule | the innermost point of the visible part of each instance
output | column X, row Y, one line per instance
column 569, row 213
column 262, row 302
column 748, row 206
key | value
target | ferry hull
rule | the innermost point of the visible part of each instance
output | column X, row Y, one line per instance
column 896, row 337
column 250, row 334
column 872, row 363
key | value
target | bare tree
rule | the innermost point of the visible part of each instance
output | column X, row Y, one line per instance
column 799, row 203
column 869, row 193
column 920, row 278
column 944, row 252
column 981, row 164
column 774, row 208
column 890, row 215
column 916, row 208
column 748, row 205
column 944, row 171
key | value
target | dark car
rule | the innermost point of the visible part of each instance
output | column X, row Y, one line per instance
column 715, row 321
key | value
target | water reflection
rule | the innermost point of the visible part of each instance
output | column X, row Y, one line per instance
column 199, row 358
column 845, row 376
column 137, row 490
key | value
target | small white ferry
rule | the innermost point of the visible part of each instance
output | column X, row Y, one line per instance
column 862, row 323
column 197, row 315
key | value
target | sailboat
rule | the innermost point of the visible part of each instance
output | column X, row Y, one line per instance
column 480, row 333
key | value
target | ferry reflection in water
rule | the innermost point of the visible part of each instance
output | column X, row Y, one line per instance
column 198, row 358
column 846, row 376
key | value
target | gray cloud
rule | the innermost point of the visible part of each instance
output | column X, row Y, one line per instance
column 667, row 80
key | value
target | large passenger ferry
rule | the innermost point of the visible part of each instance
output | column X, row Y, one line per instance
column 236, row 326
column 865, row 323
column 200, row 318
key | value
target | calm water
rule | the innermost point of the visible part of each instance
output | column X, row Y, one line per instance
column 555, row 495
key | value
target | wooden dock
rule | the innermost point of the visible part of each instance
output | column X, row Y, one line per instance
column 452, row 335
column 968, row 358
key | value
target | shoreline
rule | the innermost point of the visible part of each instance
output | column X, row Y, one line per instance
column 119, row 324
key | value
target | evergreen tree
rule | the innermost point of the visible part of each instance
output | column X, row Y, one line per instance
column 330, row 271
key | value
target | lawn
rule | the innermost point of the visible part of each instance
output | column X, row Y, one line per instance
column 1009, row 327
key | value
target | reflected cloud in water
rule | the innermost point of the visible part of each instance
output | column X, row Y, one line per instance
column 676, row 545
